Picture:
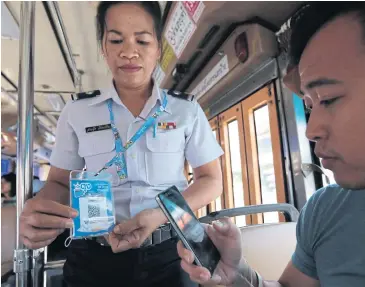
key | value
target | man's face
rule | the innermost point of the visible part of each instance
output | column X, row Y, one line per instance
column 332, row 77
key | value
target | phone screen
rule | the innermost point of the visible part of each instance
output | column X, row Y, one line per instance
column 190, row 227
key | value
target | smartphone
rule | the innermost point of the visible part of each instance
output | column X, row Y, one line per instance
column 188, row 228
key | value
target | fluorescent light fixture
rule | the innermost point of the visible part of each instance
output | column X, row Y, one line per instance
column 56, row 102
column 12, row 97
column 49, row 137
column 43, row 153
column 5, row 137
column 13, row 128
column 9, row 27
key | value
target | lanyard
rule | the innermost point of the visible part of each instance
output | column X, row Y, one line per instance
column 119, row 159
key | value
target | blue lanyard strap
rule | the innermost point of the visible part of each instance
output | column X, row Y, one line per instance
column 119, row 159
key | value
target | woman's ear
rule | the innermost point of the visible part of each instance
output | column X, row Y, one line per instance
column 103, row 49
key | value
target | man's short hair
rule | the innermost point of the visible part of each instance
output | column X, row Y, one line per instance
column 308, row 20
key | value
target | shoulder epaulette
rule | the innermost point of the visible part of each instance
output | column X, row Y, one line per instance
column 85, row 95
column 180, row 95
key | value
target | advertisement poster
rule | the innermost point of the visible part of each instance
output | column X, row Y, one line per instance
column 168, row 55
column 179, row 29
column 214, row 76
column 195, row 9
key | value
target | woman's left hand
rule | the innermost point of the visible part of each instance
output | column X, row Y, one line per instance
column 132, row 233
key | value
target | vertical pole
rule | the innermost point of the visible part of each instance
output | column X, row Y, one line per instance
column 61, row 31
column 22, row 255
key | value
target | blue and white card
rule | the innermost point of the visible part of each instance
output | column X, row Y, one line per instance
column 92, row 197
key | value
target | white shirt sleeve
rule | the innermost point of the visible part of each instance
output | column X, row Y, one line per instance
column 201, row 144
column 65, row 152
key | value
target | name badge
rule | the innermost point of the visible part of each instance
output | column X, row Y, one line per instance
column 98, row 128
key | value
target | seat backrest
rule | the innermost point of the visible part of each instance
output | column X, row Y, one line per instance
column 268, row 247
column 8, row 237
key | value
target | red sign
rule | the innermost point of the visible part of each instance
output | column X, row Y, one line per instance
column 191, row 7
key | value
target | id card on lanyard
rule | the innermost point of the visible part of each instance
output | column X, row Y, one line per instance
column 92, row 196
column 119, row 159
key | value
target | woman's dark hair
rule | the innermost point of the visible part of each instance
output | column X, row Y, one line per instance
column 11, row 178
column 151, row 7
column 308, row 20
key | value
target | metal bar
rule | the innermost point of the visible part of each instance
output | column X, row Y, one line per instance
column 51, row 119
column 53, row 113
column 53, row 92
column 38, row 267
column 290, row 212
column 54, row 264
column 62, row 35
column 36, row 109
column 6, row 78
column 63, row 100
column 22, row 255
column 284, row 142
column 296, row 155
column 44, row 91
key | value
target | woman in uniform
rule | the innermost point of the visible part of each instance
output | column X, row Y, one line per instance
column 141, row 250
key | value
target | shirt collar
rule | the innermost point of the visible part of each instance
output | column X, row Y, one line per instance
column 156, row 98
column 160, row 96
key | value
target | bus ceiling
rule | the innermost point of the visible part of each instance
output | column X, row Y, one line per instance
column 198, row 39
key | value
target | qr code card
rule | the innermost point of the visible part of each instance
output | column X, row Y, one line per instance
column 93, row 198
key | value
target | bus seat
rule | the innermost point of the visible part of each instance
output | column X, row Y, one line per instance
column 268, row 247
column 8, row 237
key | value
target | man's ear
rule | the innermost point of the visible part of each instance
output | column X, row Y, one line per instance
column 292, row 80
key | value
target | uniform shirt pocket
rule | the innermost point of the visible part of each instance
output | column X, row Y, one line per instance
column 164, row 157
column 97, row 150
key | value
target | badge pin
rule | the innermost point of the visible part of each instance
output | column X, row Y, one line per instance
column 166, row 125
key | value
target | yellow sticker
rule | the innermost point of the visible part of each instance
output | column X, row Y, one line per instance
column 168, row 55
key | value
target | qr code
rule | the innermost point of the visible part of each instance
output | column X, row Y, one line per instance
column 94, row 211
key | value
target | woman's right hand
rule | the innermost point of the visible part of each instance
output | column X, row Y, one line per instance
column 226, row 236
column 43, row 220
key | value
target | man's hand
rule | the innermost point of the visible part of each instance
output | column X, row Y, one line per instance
column 43, row 220
column 132, row 233
column 227, row 238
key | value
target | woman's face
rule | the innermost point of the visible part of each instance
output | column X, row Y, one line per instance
column 5, row 187
column 130, row 45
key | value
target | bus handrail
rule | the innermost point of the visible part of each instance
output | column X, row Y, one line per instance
column 290, row 212
column 54, row 264
column 22, row 256
column 55, row 14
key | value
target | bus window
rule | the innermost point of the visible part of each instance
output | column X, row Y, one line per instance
column 236, row 189
column 266, row 161
column 218, row 201
column 264, row 156
column 234, row 147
